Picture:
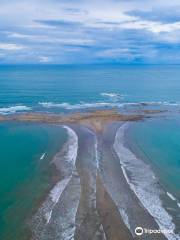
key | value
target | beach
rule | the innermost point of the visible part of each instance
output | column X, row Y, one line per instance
column 96, row 195
column 100, row 186
column 95, row 215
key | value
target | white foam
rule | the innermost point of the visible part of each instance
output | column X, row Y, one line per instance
column 143, row 183
column 70, row 157
column 160, row 103
column 112, row 96
column 125, row 217
column 125, row 175
column 81, row 105
column 48, row 216
column 173, row 199
column 171, row 196
column 14, row 109
column 72, row 145
column 114, row 103
column 43, row 156
column 58, row 189
column 103, row 232
column 96, row 154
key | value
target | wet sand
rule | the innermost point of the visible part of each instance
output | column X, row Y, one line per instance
column 107, row 208
column 97, row 217
column 95, row 120
column 112, row 222
column 96, row 202
column 88, row 224
column 132, row 211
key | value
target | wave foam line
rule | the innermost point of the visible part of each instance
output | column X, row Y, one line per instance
column 96, row 154
column 14, row 109
column 173, row 198
column 84, row 105
column 112, row 96
column 81, row 105
column 71, row 154
column 55, row 195
column 143, row 184
column 70, row 157
column 43, row 156
column 46, row 210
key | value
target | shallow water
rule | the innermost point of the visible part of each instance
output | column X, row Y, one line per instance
column 24, row 175
column 144, row 183
column 159, row 139
column 23, row 170
column 158, row 143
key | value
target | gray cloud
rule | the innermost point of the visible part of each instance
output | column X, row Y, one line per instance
column 89, row 31
column 164, row 15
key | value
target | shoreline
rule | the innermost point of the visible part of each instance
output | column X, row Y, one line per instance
column 130, row 207
column 93, row 223
column 95, row 120
column 97, row 189
column 151, row 193
column 168, row 197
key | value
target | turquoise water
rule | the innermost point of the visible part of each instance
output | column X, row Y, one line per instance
column 24, row 176
column 67, row 88
column 159, row 140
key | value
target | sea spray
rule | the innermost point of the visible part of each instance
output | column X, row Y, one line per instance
column 144, row 183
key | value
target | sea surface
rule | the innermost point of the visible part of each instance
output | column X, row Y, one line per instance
column 61, row 88
column 157, row 143
column 26, row 149
column 25, row 173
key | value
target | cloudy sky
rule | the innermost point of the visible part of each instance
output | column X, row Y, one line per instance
column 90, row 31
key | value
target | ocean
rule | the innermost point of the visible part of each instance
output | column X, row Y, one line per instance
column 61, row 88
column 26, row 151
column 23, row 174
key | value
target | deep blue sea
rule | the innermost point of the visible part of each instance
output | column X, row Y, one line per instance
column 75, row 88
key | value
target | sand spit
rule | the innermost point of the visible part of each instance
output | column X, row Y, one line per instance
column 153, row 111
column 95, row 201
column 112, row 222
column 96, row 120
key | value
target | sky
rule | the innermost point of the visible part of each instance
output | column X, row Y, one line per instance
column 90, row 31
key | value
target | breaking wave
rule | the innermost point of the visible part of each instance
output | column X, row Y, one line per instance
column 81, row 105
column 118, row 104
column 14, row 109
column 115, row 97
column 173, row 198
column 67, row 160
column 148, row 191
